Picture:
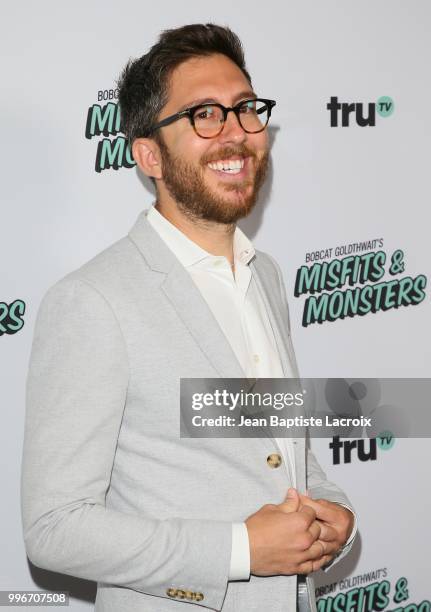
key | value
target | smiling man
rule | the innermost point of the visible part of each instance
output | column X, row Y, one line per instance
column 214, row 177
column 109, row 491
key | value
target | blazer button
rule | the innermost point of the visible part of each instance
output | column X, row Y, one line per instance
column 181, row 594
column 199, row 596
column 171, row 592
column 274, row 460
column 190, row 595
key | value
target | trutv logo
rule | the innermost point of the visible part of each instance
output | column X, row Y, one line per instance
column 364, row 449
column 344, row 113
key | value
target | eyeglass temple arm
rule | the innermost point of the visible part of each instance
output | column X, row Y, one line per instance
column 269, row 106
column 169, row 120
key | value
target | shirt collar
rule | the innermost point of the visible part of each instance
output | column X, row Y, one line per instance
column 188, row 252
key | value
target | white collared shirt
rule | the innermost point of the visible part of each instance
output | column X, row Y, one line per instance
column 239, row 309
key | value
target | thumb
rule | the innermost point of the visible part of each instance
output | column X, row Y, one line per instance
column 291, row 501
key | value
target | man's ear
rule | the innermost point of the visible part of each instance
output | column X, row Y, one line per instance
column 146, row 154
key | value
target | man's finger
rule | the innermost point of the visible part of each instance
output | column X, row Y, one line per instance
column 291, row 502
column 330, row 548
column 315, row 530
column 325, row 512
column 316, row 551
column 306, row 567
column 310, row 513
column 321, row 562
column 327, row 532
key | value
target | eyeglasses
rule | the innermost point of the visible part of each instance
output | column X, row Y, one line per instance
column 208, row 119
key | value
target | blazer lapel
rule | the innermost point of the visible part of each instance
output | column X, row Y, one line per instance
column 187, row 300
column 200, row 321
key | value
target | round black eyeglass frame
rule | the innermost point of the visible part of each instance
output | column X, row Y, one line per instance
column 189, row 112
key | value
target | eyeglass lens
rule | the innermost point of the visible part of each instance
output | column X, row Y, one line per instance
column 208, row 119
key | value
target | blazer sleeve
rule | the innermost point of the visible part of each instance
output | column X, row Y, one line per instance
column 75, row 397
column 319, row 487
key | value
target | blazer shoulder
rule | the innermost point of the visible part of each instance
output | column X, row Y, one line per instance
column 268, row 265
column 264, row 258
column 106, row 270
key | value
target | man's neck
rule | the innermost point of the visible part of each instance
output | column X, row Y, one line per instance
column 216, row 238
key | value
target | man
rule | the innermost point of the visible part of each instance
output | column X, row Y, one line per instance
column 110, row 492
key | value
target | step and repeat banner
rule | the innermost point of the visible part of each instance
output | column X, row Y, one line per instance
column 345, row 211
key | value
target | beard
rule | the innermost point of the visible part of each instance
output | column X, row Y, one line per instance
column 186, row 184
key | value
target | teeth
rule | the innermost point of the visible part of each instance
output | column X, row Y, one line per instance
column 233, row 166
column 232, row 170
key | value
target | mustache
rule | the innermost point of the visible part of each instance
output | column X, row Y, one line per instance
column 227, row 152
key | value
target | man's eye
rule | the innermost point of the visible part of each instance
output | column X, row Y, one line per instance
column 205, row 113
column 249, row 107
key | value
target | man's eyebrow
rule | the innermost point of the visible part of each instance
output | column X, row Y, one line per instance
column 248, row 94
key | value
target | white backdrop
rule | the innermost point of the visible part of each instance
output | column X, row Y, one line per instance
column 328, row 187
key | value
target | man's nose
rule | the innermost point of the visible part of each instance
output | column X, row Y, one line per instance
column 232, row 131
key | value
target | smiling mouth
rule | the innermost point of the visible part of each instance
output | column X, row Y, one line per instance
column 232, row 165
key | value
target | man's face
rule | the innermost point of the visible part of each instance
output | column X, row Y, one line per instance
column 198, row 189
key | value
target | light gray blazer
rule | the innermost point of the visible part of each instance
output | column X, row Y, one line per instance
column 110, row 492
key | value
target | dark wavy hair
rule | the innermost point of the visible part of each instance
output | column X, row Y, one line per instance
column 144, row 82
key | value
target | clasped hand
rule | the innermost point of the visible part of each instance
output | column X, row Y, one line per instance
column 335, row 522
column 298, row 536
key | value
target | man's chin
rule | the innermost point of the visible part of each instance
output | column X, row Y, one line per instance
column 233, row 209
column 234, row 193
